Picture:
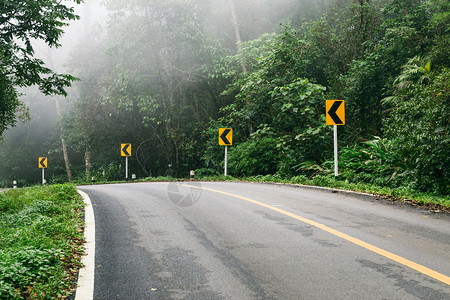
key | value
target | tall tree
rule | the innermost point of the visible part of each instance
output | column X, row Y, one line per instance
column 22, row 21
column 59, row 114
column 236, row 31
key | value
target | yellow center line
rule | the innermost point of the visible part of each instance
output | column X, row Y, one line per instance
column 410, row 264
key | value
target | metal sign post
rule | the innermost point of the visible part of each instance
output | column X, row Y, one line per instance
column 336, row 171
column 335, row 115
column 226, row 161
column 226, row 139
column 42, row 163
column 126, row 167
column 125, row 150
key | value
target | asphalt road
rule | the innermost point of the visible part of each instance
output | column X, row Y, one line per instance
column 260, row 241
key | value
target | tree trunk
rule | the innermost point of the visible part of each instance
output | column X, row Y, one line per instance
column 88, row 163
column 236, row 31
column 58, row 113
column 363, row 23
column 63, row 143
column 238, row 46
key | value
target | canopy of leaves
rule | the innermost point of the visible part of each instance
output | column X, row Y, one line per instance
column 22, row 22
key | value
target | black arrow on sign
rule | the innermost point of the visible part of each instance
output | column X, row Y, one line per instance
column 223, row 136
column 42, row 162
column 124, row 149
column 332, row 112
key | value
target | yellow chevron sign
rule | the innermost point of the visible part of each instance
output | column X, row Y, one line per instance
column 335, row 111
column 125, row 149
column 225, row 136
column 42, row 162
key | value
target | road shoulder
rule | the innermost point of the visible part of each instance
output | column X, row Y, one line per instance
column 85, row 286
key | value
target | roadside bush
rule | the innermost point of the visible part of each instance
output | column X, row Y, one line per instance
column 33, row 269
column 418, row 127
column 302, row 179
column 254, row 157
column 373, row 162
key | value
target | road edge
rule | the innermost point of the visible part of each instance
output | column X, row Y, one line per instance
column 359, row 195
column 85, row 285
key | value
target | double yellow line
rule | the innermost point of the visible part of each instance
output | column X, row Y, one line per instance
column 408, row 263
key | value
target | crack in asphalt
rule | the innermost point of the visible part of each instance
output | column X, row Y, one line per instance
column 237, row 267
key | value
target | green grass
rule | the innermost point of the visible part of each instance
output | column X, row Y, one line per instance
column 404, row 194
column 40, row 241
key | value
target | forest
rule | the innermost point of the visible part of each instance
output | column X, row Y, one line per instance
column 165, row 75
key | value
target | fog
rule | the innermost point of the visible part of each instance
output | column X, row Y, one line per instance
column 167, row 44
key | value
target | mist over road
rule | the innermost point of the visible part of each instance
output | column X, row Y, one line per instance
column 257, row 241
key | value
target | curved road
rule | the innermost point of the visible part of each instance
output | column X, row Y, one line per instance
column 218, row 240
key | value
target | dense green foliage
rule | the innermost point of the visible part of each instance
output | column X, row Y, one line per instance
column 40, row 241
column 418, row 128
column 22, row 22
column 165, row 77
